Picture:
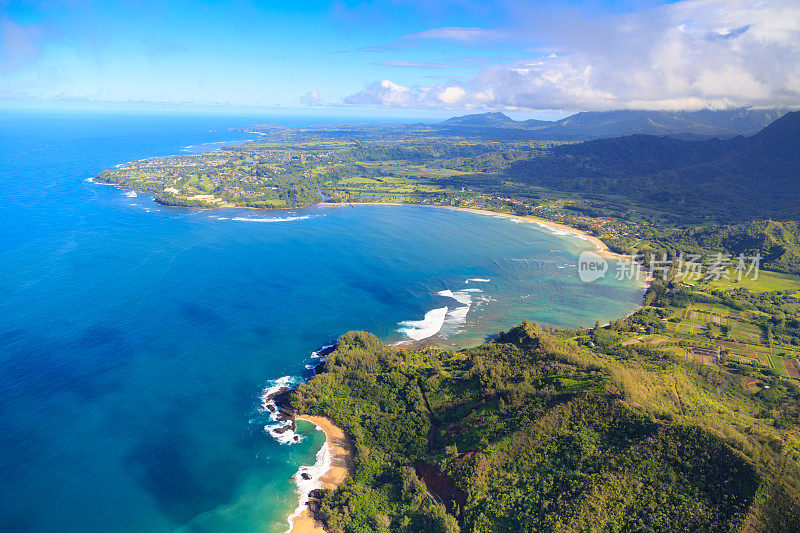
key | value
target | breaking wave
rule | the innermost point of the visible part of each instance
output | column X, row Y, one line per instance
column 427, row 327
column 456, row 318
column 271, row 219
column 309, row 478
column 280, row 427
column 461, row 297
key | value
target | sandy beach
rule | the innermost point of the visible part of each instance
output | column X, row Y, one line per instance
column 342, row 466
column 602, row 249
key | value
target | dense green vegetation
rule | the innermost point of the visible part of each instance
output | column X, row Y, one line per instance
column 535, row 431
column 681, row 417
column 777, row 243
column 739, row 179
column 592, row 125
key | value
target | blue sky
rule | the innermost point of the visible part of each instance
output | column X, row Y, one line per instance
column 396, row 56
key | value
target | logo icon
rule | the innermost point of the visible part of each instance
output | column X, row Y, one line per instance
column 591, row 267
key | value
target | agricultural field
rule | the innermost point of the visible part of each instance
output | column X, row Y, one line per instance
column 766, row 281
column 695, row 332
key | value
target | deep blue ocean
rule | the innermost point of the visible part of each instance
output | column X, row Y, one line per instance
column 136, row 340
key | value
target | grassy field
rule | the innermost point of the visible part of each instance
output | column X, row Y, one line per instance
column 767, row 281
column 777, row 364
column 711, row 325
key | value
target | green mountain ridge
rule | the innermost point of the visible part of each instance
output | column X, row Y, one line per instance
column 482, row 119
column 739, row 179
column 532, row 432
column 777, row 242
column 603, row 124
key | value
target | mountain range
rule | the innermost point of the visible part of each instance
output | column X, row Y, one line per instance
column 736, row 179
column 593, row 125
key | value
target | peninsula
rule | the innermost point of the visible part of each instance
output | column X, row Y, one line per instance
column 683, row 415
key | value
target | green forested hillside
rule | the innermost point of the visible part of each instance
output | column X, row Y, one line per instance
column 600, row 124
column 483, row 119
column 740, row 179
column 778, row 243
column 536, row 432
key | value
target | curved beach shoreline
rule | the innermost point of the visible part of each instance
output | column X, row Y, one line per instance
column 602, row 249
column 342, row 466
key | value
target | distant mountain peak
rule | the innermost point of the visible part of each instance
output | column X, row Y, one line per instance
column 788, row 123
column 588, row 125
column 481, row 119
column 735, row 179
column 782, row 135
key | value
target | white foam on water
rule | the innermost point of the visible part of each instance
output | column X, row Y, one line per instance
column 403, row 343
column 131, row 194
column 272, row 219
column 552, row 229
column 478, row 280
column 316, row 355
column 92, row 180
column 315, row 472
column 460, row 296
column 457, row 317
column 279, row 430
column 563, row 232
column 427, row 327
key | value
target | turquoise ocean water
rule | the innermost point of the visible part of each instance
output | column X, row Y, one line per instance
column 136, row 340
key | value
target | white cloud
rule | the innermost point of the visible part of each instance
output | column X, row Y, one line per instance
column 687, row 55
column 389, row 94
column 464, row 35
column 451, row 95
column 384, row 93
column 311, row 98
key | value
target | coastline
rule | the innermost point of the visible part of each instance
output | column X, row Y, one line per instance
column 342, row 466
column 602, row 249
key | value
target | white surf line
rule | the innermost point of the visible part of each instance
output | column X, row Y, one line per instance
column 427, row 327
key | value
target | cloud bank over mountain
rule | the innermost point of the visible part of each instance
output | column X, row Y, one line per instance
column 688, row 55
